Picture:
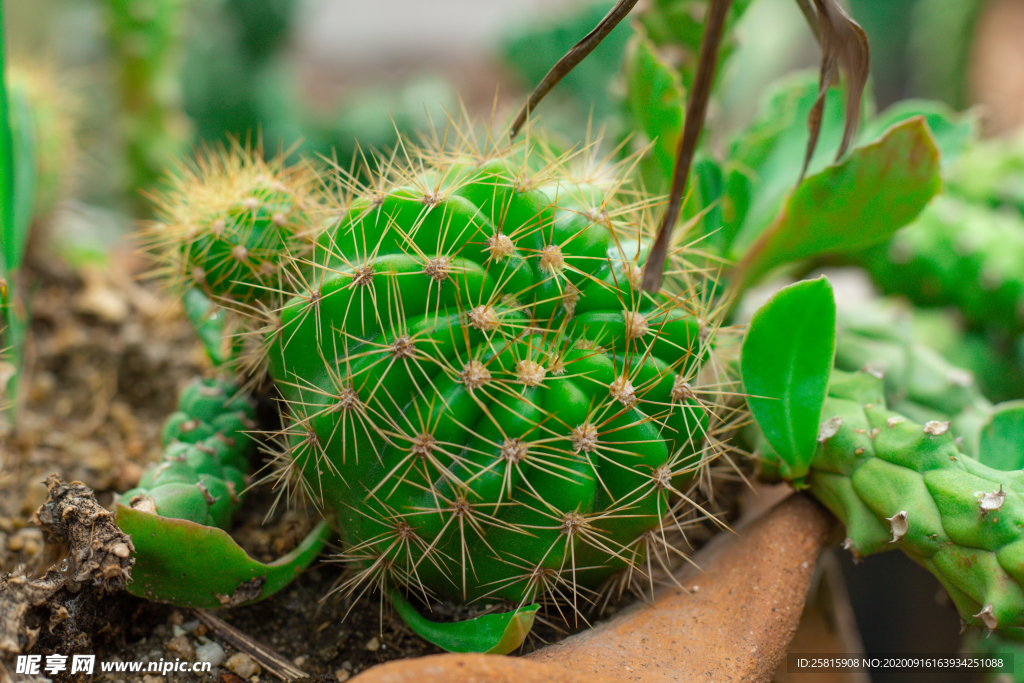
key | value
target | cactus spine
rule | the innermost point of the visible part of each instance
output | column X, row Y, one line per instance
column 474, row 380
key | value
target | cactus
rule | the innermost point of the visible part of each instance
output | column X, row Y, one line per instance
column 179, row 512
column 474, row 380
column 893, row 481
column 962, row 254
column 201, row 477
column 232, row 223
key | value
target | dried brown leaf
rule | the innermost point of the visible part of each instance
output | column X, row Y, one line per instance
column 844, row 49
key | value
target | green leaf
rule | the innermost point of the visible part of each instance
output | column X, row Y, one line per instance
column 765, row 160
column 1001, row 441
column 191, row 565
column 496, row 634
column 847, row 207
column 952, row 132
column 23, row 150
column 655, row 96
column 786, row 362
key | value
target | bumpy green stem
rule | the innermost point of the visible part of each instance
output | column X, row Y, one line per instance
column 206, row 454
column 897, row 483
column 961, row 254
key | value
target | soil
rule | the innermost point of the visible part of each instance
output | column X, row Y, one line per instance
column 106, row 357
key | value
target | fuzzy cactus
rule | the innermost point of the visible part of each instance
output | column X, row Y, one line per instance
column 201, row 477
column 232, row 223
column 474, row 380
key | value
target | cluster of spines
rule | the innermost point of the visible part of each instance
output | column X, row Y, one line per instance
column 207, row 444
column 234, row 224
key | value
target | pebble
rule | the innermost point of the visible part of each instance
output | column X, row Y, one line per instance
column 342, row 675
column 211, row 652
column 243, row 665
column 153, row 679
column 181, row 646
column 373, row 644
column 299, row 661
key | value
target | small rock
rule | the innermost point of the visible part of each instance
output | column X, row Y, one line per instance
column 299, row 661
column 242, row 664
column 347, row 666
column 230, row 678
column 191, row 625
column 177, row 618
column 373, row 644
column 342, row 675
column 153, row 679
column 178, row 630
column 181, row 646
column 211, row 652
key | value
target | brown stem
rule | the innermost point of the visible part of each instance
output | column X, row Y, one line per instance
column 811, row 15
column 574, row 56
column 696, row 110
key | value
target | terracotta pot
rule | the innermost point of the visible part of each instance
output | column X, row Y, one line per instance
column 734, row 625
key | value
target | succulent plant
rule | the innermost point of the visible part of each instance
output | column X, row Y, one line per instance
column 474, row 380
column 201, row 477
column 893, row 481
column 962, row 254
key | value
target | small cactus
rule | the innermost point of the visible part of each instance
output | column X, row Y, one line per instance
column 201, row 477
column 231, row 222
column 474, row 380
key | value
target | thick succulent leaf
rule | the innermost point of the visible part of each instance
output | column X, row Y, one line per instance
column 497, row 634
column 1001, row 441
column 191, row 565
column 850, row 206
column 655, row 96
column 952, row 132
column 764, row 161
column 786, row 362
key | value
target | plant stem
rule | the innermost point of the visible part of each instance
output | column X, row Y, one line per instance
column 696, row 110
column 574, row 56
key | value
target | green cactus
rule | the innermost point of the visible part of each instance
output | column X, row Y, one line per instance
column 961, row 254
column 894, row 481
column 201, row 477
column 879, row 337
column 474, row 380
column 233, row 223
